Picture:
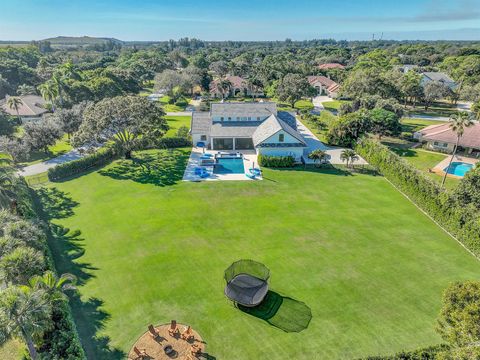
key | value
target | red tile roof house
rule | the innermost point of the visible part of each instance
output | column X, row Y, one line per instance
column 442, row 138
column 31, row 108
column 324, row 85
column 331, row 66
column 239, row 87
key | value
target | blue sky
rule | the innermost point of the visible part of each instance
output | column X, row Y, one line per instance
column 241, row 20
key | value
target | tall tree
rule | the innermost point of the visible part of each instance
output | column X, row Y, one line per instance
column 24, row 314
column 14, row 103
column 225, row 86
column 126, row 120
column 49, row 93
column 292, row 88
column 458, row 123
column 39, row 135
column 24, row 90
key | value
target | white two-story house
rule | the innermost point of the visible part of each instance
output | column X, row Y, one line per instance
column 256, row 126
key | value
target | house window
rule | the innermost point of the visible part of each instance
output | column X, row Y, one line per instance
column 204, row 137
column 222, row 118
column 249, row 118
column 229, row 118
column 435, row 143
column 281, row 137
column 258, row 118
column 238, row 119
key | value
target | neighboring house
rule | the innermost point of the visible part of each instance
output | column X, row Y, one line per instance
column 31, row 108
column 324, row 85
column 254, row 126
column 329, row 66
column 239, row 87
column 439, row 77
column 442, row 138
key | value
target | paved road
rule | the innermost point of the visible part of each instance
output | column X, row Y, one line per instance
column 44, row 166
column 428, row 117
column 180, row 113
column 313, row 143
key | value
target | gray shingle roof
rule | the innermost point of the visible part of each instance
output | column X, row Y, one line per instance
column 243, row 109
column 270, row 127
column 438, row 76
column 201, row 123
column 289, row 118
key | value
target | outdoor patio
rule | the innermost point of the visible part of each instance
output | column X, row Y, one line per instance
column 195, row 161
column 165, row 346
column 439, row 168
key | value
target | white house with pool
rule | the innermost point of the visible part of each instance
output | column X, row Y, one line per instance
column 246, row 127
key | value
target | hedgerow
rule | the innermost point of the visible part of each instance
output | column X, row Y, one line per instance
column 462, row 221
column 276, row 161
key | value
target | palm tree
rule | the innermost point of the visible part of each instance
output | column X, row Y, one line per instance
column 224, row 86
column 59, row 84
column 24, row 90
column 349, row 156
column 14, row 103
column 319, row 156
column 24, row 313
column 52, row 285
column 458, row 123
column 7, row 183
column 49, row 93
column 68, row 71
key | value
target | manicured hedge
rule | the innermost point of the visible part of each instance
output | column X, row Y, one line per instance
column 461, row 221
column 429, row 353
column 173, row 142
column 276, row 161
column 101, row 157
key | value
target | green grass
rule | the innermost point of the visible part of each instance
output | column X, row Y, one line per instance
column 438, row 109
column 175, row 122
column 412, row 125
column 12, row 350
column 173, row 108
column 61, row 147
column 303, row 105
column 333, row 105
column 151, row 248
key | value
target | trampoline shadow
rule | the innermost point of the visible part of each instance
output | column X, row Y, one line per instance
column 285, row 313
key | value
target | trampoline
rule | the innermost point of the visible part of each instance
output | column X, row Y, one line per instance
column 247, row 282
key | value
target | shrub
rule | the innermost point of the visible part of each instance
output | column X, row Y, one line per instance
column 429, row 353
column 276, row 161
column 172, row 142
column 182, row 102
column 182, row 132
column 101, row 157
column 461, row 221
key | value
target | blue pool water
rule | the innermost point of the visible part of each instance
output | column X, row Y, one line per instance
column 459, row 168
column 229, row 166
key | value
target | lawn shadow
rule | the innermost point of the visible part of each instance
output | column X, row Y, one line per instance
column 161, row 169
column 67, row 249
column 56, row 204
column 283, row 312
column 338, row 170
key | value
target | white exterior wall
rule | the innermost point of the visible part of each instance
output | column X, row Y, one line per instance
column 297, row 152
column 197, row 138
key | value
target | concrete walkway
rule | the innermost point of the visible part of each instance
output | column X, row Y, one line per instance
column 42, row 167
column 313, row 143
column 179, row 113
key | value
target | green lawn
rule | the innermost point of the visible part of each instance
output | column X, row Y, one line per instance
column 151, row 248
column 438, row 109
column 12, row 350
column 61, row 147
column 175, row 122
column 333, row 105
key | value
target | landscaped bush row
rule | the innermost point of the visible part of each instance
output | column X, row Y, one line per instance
column 276, row 161
column 173, row 142
column 461, row 220
column 101, row 157
column 429, row 353
column 21, row 235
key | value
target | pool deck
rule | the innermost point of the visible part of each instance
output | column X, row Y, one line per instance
column 438, row 169
column 249, row 159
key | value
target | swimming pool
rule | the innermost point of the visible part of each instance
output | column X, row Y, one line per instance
column 459, row 168
column 229, row 166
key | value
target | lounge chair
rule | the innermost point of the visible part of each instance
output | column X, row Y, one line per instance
column 140, row 354
column 154, row 333
column 173, row 330
column 195, row 351
column 187, row 334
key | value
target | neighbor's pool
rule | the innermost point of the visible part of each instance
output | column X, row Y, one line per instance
column 229, row 166
column 459, row 168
